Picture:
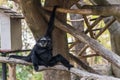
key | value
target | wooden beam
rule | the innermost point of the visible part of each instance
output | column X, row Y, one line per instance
column 92, row 10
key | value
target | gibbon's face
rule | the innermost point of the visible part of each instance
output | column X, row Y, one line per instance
column 44, row 42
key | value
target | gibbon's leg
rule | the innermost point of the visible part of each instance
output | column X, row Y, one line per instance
column 60, row 58
column 35, row 62
column 42, row 63
column 25, row 58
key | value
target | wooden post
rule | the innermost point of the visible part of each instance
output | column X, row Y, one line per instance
column 16, row 42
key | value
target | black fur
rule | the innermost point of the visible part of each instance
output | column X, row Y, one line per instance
column 41, row 53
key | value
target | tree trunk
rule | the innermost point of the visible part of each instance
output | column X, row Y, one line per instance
column 115, row 44
column 33, row 17
column 59, row 44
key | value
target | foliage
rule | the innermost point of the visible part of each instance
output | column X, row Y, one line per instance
column 2, row 2
column 23, row 72
column 27, row 73
column 38, row 76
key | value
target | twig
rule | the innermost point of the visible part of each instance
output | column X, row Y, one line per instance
column 90, row 55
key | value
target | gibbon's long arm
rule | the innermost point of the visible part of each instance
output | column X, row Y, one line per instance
column 51, row 22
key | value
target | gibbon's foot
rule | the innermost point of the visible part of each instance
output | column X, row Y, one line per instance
column 70, row 66
column 11, row 56
column 36, row 68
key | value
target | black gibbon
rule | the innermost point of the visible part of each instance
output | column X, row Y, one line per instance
column 41, row 54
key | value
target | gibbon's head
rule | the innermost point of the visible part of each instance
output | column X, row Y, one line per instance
column 44, row 42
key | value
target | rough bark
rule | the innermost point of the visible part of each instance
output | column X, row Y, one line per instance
column 115, row 44
column 12, row 71
column 35, row 21
column 85, row 75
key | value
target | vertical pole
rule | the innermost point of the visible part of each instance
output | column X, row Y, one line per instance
column 16, row 43
column 4, row 69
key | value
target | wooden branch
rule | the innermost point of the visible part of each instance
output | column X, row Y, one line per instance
column 94, row 23
column 13, row 51
column 106, row 27
column 15, row 61
column 60, row 67
column 89, row 55
column 80, row 73
column 92, row 10
column 76, row 20
column 73, row 44
column 82, row 64
column 86, row 21
column 98, row 29
column 82, row 50
column 101, row 31
column 88, row 26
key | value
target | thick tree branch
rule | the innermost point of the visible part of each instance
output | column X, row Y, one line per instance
column 78, row 72
column 15, row 61
column 109, row 10
column 13, row 51
column 82, row 64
